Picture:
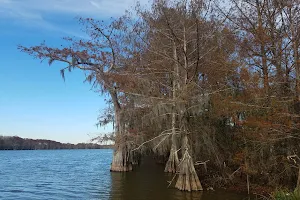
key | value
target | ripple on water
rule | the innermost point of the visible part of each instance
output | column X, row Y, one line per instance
column 54, row 174
column 85, row 175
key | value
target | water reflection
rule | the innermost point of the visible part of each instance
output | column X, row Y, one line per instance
column 149, row 182
column 145, row 182
column 176, row 194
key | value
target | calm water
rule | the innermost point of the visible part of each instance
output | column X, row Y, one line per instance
column 84, row 174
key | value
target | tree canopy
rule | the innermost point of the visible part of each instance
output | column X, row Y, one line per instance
column 193, row 81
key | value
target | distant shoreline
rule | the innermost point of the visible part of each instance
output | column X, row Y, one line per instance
column 17, row 143
column 103, row 147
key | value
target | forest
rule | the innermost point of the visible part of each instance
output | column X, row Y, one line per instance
column 211, row 89
column 18, row 143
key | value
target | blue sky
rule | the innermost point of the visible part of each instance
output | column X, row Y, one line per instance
column 34, row 100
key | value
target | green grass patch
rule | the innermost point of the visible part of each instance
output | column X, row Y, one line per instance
column 286, row 195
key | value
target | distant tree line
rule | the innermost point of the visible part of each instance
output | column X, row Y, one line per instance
column 18, row 143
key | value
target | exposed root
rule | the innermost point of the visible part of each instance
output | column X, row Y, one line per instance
column 188, row 179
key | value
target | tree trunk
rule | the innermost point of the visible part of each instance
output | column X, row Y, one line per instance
column 121, row 158
column 187, row 179
column 266, row 77
column 287, row 84
column 298, row 181
column 297, row 81
column 295, row 44
column 173, row 161
column 121, row 162
column 264, row 64
column 135, row 158
column 296, row 62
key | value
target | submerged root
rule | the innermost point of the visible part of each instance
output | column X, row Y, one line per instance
column 173, row 161
column 120, row 161
column 188, row 179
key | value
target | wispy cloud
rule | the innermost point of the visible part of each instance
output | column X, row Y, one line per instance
column 92, row 8
column 37, row 12
column 95, row 4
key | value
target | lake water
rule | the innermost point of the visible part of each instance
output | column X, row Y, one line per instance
column 84, row 174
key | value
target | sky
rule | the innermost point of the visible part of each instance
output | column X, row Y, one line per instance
column 35, row 102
